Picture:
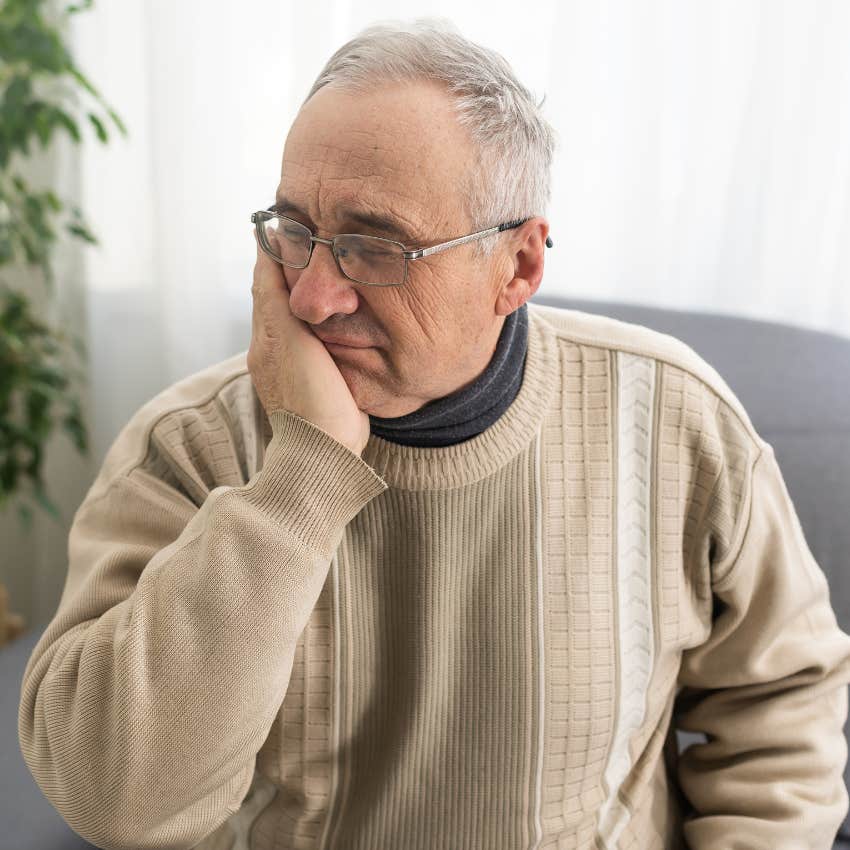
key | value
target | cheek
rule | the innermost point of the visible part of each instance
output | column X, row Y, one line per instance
column 435, row 299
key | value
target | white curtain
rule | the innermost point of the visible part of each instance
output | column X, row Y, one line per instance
column 703, row 159
column 703, row 163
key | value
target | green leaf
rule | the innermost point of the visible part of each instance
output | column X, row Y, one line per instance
column 68, row 123
column 81, row 79
column 53, row 201
column 78, row 230
column 99, row 128
column 17, row 93
column 76, row 429
column 81, row 7
column 37, row 361
column 119, row 123
column 43, row 126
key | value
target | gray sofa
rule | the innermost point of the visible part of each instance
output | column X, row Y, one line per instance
column 795, row 385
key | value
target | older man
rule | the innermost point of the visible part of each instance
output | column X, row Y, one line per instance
column 428, row 566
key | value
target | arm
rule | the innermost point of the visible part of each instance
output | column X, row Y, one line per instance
column 146, row 700
column 769, row 690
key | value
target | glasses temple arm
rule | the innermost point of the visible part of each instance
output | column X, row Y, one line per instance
column 508, row 225
column 435, row 249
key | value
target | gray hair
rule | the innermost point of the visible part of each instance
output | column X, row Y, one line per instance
column 515, row 142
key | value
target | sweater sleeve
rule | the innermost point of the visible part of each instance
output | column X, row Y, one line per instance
column 769, row 690
column 147, row 698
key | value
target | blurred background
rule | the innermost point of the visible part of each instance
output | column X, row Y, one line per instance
column 703, row 163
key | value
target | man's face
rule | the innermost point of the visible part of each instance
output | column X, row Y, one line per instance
column 397, row 152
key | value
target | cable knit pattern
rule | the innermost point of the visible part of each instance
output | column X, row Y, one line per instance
column 635, row 393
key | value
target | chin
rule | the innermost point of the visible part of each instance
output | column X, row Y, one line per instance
column 360, row 386
column 371, row 402
column 371, row 396
column 392, row 410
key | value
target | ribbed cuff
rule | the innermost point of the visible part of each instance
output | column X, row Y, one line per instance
column 310, row 482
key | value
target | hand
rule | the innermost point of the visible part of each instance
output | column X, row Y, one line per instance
column 290, row 367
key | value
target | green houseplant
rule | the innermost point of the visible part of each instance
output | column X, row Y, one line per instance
column 41, row 91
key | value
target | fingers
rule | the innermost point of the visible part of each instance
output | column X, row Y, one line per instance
column 269, row 289
column 263, row 270
column 257, row 290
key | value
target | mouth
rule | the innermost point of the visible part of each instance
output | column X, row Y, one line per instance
column 337, row 348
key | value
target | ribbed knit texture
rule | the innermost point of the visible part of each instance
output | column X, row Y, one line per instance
column 266, row 641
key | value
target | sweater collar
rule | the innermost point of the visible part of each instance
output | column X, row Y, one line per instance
column 437, row 468
column 466, row 413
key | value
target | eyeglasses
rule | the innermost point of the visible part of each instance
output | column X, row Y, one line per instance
column 369, row 260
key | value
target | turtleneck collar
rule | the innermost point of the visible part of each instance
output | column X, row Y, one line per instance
column 464, row 414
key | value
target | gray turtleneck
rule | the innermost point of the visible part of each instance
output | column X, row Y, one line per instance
column 464, row 414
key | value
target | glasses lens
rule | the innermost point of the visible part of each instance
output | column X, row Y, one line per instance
column 368, row 259
column 288, row 240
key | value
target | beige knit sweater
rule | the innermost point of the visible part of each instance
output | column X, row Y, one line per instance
column 266, row 641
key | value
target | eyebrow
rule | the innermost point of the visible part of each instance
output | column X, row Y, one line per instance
column 366, row 217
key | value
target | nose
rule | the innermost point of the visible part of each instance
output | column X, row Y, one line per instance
column 321, row 289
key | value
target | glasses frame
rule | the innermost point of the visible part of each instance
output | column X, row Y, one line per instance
column 408, row 254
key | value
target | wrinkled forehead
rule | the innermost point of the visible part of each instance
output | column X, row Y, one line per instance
column 398, row 149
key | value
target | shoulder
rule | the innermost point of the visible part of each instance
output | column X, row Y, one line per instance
column 680, row 364
column 192, row 430
column 702, row 433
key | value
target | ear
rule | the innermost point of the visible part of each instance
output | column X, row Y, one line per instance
column 526, row 251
